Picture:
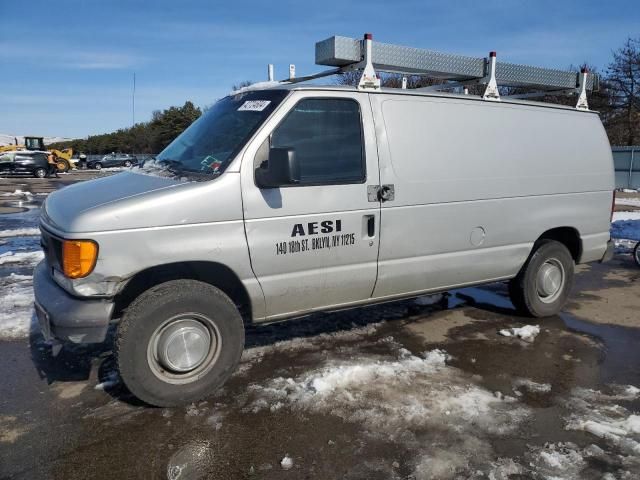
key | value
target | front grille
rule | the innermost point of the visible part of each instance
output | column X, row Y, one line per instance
column 52, row 247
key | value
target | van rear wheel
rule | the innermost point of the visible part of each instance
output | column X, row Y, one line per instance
column 178, row 342
column 542, row 286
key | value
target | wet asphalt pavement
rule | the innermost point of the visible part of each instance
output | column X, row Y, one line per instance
column 400, row 390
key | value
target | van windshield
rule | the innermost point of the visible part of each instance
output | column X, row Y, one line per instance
column 205, row 149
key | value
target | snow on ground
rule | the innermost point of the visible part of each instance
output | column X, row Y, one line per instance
column 531, row 386
column 528, row 333
column 20, row 232
column 28, row 258
column 426, row 300
column 251, row 356
column 625, row 216
column 626, row 225
column 17, row 193
column 111, row 380
column 16, row 306
column 446, row 420
column 286, row 463
column 603, row 416
column 634, row 202
column 417, row 401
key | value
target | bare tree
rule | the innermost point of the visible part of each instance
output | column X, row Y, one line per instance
column 623, row 79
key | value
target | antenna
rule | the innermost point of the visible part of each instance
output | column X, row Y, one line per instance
column 133, row 102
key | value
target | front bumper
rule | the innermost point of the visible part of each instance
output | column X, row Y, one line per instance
column 608, row 254
column 68, row 318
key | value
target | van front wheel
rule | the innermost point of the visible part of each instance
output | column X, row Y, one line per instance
column 542, row 286
column 178, row 342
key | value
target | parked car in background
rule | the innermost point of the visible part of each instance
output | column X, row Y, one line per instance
column 114, row 160
column 24, row 163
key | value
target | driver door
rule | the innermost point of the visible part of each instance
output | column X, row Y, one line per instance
column 315, row 244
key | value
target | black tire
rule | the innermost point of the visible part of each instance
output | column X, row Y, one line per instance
column 636, row 254
column 63, row 165
column 97, row 166
column 138, row 334
column 40, row 173
column 127, row 163
column 525, row 289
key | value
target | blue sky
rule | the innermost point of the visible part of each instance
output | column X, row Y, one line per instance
column 67, row 66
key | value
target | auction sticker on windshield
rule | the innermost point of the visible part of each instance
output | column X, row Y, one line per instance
column 254, row 105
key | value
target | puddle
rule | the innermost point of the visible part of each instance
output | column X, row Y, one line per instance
column 621, row 355
column 17, row 244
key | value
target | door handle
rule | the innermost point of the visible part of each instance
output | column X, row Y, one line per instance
column 368, row 226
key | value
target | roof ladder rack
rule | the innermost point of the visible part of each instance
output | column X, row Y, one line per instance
column 369, row 57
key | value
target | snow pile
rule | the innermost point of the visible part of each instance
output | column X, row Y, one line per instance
column 16, row 306
column 27, row 258
column 633, row 202
column 561, row 460
column 251, row 356
column 626, row 224
column 18, row 193
column 286, row 463
column 256, row 86
column 111, row 380
column 531, row 386
column 528, row 333
column 596, row 413
column 426, row 300
column 20, row 232
column 417, row 401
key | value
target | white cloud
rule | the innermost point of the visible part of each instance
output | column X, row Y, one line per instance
column 59, row 56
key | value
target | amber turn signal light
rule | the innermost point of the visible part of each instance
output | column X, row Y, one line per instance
column 78, row 257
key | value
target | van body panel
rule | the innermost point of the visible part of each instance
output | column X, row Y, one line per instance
column 132, row 200
column 191, row 222
column 314, row 274
column 476, row 183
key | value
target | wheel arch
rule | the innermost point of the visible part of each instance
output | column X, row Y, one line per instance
column 568, row 236
column 213, row 273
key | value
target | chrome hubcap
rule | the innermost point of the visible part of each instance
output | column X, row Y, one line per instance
column 183, row 345
column 550, row 280
column 184, row 348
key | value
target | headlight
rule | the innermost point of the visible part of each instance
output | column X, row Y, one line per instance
column 78, row 257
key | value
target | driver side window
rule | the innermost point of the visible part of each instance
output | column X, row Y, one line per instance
column 326, row 135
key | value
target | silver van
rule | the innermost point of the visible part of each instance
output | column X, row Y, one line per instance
column 283, row 201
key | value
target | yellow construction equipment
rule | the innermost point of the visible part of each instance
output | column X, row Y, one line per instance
column 36, row 144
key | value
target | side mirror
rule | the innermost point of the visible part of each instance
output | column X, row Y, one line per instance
column 281, row 169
